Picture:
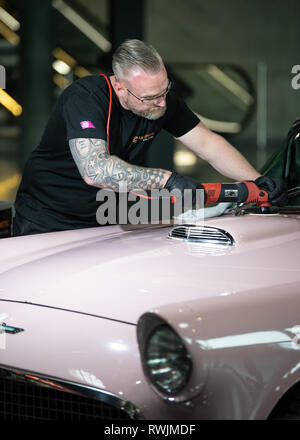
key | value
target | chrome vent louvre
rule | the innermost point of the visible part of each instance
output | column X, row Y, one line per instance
column 202, row 234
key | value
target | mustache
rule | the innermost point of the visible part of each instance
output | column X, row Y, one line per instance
column 159, row 111
column 152, row 113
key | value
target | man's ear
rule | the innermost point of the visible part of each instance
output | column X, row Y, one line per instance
column 118, row 86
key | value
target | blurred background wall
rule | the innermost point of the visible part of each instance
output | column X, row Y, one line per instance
column 232, row 61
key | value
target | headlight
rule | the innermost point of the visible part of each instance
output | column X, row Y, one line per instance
column 167, row 360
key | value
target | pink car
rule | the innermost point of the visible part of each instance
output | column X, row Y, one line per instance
column 153, row 322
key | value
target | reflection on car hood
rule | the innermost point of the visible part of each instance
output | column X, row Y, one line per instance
column 120, row 272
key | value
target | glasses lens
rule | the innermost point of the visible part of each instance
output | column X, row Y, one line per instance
column 158, row 98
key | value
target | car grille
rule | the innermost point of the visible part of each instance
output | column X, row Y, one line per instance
column 201, row 234
column 23, row 400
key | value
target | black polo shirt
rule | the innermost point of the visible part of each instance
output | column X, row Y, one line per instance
column 52, row 192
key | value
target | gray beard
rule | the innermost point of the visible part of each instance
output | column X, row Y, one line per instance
column 154, row 116
column 150, row 115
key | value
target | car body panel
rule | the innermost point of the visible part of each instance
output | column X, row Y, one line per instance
column 145, row 268
column 247, row 349
column 89, row 351
column 79, row 296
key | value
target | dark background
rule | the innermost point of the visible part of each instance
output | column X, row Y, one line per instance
column 231, row 60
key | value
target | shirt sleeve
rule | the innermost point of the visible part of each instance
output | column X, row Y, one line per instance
column 85, row 115
column 180, row 119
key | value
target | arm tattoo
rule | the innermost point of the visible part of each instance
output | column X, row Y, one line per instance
column 100, row 169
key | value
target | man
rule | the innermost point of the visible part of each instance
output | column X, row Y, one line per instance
column 97, row 136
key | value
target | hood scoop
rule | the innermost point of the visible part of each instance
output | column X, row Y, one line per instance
column 202, row 234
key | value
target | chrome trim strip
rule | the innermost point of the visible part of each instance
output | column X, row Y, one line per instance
column 10, row 329
column 72, row 387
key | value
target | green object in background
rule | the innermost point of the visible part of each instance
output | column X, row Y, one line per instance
column 285, row 164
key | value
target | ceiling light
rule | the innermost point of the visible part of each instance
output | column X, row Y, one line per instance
column 9, row 20
column 88, row 30
column 185, row 158
column 10, row 35
column 61, row 67
column 8, row 102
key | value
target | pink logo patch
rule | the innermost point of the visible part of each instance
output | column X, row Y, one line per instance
column 86, row 124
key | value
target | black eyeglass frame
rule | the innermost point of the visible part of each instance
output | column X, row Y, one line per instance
column 149, row 101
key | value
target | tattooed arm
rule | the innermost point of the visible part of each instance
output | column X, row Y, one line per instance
column 98, row 168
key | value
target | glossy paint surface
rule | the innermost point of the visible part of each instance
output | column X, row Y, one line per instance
column 120, row 274
column 79, row 295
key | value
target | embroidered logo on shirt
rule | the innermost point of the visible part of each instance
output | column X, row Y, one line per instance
column 87, row 124
column 147, row 137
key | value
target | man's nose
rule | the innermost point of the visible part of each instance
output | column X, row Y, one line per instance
column 161, row 102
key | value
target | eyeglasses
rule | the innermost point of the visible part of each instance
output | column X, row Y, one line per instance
column 149, row 101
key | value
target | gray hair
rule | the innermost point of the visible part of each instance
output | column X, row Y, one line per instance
column 132, row 54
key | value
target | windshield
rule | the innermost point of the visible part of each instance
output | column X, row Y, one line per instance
column 285, row 164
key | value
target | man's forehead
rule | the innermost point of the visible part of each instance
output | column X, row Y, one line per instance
column 148, row 83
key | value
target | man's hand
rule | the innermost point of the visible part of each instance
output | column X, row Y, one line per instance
column 177, row 181
column 276, row 189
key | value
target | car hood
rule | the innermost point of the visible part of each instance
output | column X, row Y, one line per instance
column 120, row 272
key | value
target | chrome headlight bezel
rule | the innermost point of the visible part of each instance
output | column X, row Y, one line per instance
column 150, row 327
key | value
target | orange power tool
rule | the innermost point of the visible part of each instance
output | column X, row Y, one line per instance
column 241, row 192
